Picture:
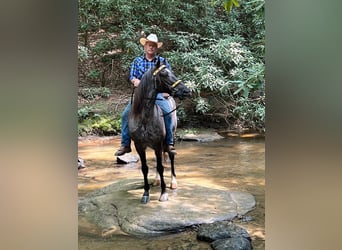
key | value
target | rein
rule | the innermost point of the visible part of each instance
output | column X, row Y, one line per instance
column 132, row 95
column 171, row 111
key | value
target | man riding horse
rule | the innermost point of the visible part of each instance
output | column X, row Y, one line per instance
column 146, row 122
column 141, row 65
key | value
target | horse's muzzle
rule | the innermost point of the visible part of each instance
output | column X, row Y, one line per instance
column 182, row 93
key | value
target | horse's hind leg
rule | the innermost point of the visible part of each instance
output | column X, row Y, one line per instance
column 173, row 174
column 156, row 181
column 160, row 169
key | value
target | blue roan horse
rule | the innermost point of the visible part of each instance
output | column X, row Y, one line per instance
column 146, row 122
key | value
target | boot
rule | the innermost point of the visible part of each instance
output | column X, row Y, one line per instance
column 123, row 150
column 172, row 149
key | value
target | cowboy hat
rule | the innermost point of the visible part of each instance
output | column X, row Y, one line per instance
column 151, row 38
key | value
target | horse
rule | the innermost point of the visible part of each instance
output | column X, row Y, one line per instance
column 146, row 122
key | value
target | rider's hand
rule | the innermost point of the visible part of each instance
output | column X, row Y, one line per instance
column 135, row 82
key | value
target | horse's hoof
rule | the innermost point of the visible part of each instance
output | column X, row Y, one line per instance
column 173, row 186
column 145, row 199
column 164, row 197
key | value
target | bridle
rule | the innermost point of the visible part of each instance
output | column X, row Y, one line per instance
column 173, row 85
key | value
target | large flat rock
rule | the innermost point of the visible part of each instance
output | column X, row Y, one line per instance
column 118, row 206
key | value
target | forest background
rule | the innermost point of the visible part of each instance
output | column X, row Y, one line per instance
column 216, row 47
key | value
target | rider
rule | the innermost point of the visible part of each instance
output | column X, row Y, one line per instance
column 140, row 65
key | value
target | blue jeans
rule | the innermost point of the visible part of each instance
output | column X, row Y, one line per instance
column 169, row 124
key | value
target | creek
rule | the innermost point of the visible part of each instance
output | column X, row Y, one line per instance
column 234, row 163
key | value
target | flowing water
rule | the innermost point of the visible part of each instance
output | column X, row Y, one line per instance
column 233, row 163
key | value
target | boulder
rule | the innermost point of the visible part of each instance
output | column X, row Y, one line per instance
column 118, row 206
column 225, row 235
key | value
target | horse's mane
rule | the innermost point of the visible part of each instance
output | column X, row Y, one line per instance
column 141, row 92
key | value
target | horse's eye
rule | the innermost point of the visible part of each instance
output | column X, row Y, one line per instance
column 163, row 73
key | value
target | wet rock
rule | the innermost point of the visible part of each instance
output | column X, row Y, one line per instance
column 240, row 243
column 220, row 230
column 127, row 158
column 244, row 219
column 119, row 205
column 225, row 235
column 80, row 163
column 201, row 137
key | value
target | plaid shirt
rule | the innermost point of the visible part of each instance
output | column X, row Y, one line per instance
column 140, row 65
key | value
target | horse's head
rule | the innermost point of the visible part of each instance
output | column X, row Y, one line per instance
column 167, row 82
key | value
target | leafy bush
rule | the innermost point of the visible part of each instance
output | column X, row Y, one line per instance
column 83, row 113
column 93, row 93
column 218, row 54
column 99, row 125
column 106, row 125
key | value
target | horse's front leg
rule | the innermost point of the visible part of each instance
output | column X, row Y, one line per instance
column 160, row 169
column 146, row 196
column 144, row 168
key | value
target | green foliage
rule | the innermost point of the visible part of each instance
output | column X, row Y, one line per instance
column 216, row 50
column 83, row 53
column 95, row 115
column 94, row 123
column 181, row 114
column 228, row 4
column 202, row 105
column 93, row 74
column 253, row 79
column 83, row 113
column 250, row 113
column 93, row 93
column 106, row 125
